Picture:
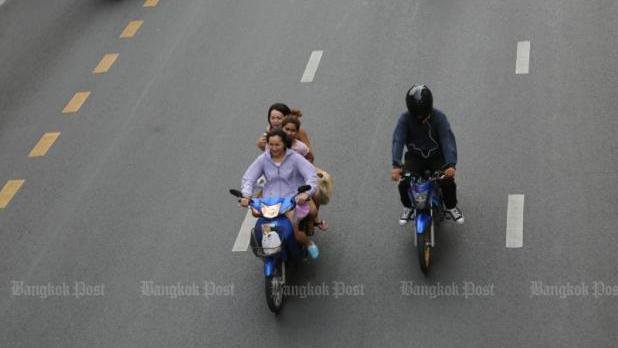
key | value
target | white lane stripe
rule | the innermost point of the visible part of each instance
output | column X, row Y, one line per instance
column 515, row 222
column 312, row 66
column 2, row 2
column 244, row 235
column 522, row 64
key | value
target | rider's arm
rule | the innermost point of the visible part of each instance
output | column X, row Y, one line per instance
column 255, row 170
column 261, row 142
column 399, row 140
column 447, row 142
column 307, row 170
column 309, row 156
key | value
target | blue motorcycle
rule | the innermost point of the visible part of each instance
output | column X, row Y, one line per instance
column 273, row 241
column 426, row 197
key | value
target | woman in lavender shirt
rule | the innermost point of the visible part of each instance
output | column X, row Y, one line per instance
column 285, row 171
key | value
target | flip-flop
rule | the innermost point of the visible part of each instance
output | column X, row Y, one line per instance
column 322, row 225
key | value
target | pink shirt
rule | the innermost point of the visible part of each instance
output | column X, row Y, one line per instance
column 300, row 147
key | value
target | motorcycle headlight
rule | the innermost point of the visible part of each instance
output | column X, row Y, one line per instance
column 420, row 199
column 270, row 211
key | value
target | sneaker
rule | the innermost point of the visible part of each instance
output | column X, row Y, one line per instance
column 313, row 251
column 406, row 215
column 455, row 215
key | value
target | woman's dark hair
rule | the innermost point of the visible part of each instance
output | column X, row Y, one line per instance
column 278, row 132
column 282, row 108
column 291, row 119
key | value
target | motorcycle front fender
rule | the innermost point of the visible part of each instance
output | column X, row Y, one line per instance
column 422, row 222
column 270, row 264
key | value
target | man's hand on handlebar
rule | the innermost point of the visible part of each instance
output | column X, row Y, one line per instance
column 244, row 202
column 449, row 173
column 396, row 174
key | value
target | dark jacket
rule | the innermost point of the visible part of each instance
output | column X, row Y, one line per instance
column 428, row 140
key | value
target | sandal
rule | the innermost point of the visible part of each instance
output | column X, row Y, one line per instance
column 322, row 225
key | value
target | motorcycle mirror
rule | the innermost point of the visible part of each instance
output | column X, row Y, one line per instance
column 304, row 188
column 236, row 193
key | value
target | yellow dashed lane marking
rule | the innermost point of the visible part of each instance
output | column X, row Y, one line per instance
column 8, row 191
column 44, row 144
column 76, row 102
column 131, row 29
column 151, row 3
column 106, row 62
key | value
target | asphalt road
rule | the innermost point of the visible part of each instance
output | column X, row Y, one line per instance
column 134, row 190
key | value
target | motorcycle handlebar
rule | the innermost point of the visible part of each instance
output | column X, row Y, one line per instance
column 301, row 189
column 437, row 175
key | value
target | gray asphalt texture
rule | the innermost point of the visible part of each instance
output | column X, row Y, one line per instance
column 135, row 188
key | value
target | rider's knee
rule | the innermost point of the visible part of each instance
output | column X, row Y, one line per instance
column 445, row 182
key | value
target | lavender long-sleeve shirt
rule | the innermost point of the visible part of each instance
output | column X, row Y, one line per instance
column 282, row 179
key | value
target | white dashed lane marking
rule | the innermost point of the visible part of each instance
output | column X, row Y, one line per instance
column 312, row 66
column 522, row 64
column 515, row 221
column 244, row 235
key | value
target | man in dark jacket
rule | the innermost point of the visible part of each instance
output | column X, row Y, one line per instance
column 427, row 135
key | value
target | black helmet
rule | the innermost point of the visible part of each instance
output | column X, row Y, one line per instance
column 419, row 101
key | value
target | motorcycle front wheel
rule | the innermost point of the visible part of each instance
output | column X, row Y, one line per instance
column 274, row 286
column 424, row 250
